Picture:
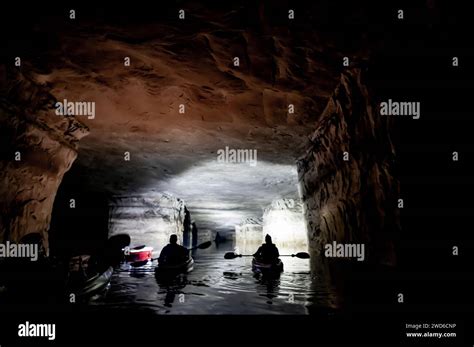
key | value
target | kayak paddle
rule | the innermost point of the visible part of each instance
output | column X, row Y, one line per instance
column 232, row 255
column 203, row 245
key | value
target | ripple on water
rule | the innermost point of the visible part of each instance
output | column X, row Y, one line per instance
column 216, row 286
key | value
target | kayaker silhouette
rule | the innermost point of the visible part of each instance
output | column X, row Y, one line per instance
column 173, row 253
column 267, row 252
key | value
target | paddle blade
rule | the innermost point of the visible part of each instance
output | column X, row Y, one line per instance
column 230, row 255
column 205, row 245
column 302, row 255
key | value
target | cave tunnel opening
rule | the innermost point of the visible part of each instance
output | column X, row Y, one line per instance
column 79, row 220
column 239, row 202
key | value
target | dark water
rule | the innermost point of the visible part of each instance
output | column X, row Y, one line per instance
column 216, row 286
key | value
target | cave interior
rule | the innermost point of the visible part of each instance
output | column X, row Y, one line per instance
column 147, row 160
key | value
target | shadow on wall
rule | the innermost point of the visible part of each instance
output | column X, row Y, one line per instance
column 79, row 222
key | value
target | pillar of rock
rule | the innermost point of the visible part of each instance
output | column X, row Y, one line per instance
column 37, row 148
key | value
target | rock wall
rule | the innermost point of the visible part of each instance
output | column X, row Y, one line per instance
column 248, row 235
column 284, row 221
column 148, row 220
column 37, row 148
column 353, row 201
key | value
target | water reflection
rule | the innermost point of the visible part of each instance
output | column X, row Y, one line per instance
column 218, row 286
column 268, row 286
column 139, row 272
column 171, row 287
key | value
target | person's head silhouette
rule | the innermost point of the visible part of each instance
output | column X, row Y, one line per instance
column 173, row 239
column 268, row 239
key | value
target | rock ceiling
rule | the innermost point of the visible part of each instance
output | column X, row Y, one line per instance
column 137, row 107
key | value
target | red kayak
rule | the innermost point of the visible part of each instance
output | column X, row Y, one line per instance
column 139, row 254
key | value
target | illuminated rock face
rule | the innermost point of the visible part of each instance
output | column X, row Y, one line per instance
column 353, row 201
column 248, row 235
column 284, row 222
column 40, row 148
column 148, row 220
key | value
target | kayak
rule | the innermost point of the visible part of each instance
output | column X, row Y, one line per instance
column 92, row 285
column 183, row 267
column 274, row 268
column 139, row 254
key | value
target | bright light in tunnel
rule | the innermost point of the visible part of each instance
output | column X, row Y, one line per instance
column 221, row 195
column 287, row 227
column 283, row 220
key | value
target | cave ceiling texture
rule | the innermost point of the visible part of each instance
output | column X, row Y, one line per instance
column 137, row 107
